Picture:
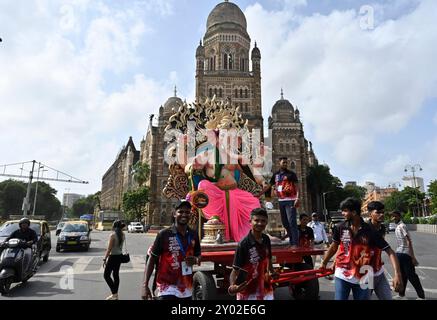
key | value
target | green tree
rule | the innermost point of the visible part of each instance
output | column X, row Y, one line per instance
column 321, row 180
column 355, row 191
column 12, row 193
column 432, row 191
column 46, row 202
column 134, row 203
column 405, row 200
column 84, row 206
column 141, row 173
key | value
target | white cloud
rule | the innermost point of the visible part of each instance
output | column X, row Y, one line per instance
column 54, row 107
column 350, row 85
column 396, row 165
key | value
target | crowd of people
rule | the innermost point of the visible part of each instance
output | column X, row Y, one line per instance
column 356, row 247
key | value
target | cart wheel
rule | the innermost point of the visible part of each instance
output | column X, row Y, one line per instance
column 204, row 287
column 308, row 290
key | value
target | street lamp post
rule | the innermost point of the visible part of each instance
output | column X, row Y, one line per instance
column 325, row 210
column 36, row 189
column 413, row 169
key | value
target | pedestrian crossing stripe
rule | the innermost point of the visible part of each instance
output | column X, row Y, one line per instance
column 86, row 265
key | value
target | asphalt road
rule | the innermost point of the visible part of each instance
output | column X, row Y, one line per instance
column 79, row 275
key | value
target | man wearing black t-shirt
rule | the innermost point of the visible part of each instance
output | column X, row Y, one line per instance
column 354, row 242
column 285, row 187
column 175, row 251
column 306, row 236
column 376, row 223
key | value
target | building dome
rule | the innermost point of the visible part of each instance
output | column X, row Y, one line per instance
column 226, row 12
column 172, row 102
column 283, row 106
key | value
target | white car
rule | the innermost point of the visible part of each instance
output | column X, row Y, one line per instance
column 135, row 227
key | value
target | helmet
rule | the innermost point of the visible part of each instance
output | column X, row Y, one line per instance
column 24, row 220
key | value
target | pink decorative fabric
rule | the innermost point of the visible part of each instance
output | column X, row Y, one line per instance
column 241, row 203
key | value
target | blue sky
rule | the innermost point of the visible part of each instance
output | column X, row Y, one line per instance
column 79, row 77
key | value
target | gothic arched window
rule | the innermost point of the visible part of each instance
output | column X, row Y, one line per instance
column 246, row 93
column 220, row 92
column 210, row 92
column 225, row 61
column 281, row 147
column 236, row 93
column 293, row 147
column 242, row 64
column 230, row 61
column 215, row 91
column 241, row 93
column 293, row 165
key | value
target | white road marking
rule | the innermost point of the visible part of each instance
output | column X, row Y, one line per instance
column 426, row 268
column 138, row 262
column 79, row 266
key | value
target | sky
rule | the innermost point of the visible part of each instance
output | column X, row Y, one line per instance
column 77, row 78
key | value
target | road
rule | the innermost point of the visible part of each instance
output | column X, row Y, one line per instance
column 79, row 275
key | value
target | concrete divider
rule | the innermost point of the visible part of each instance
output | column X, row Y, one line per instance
column 427, row 228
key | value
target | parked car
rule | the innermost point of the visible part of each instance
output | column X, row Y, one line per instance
column 135, row 227
column 392, row 226
column 41, row 227
column 74, row 234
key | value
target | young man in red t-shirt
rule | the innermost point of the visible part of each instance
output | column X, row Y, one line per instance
column 286, row 189
column 176, row 250
column 354, row 243
column 253, row 262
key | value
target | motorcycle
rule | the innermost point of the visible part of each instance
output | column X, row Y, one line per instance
column 16, row 263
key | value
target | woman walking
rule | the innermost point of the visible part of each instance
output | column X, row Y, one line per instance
column 112, row 260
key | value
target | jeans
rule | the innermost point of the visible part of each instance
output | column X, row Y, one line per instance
column 288, row 218
column 113, row 266
column 343, row 289
column 408, row 272
column 382, row 287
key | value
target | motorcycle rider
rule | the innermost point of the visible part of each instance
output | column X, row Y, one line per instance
column 27, row 234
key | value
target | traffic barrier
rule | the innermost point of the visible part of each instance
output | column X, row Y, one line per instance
column 426, row 228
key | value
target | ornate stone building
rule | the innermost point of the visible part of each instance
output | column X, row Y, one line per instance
column 159, row 210
column 223, row 69
column 288, row 140
column 118, row 178
column 222, row 63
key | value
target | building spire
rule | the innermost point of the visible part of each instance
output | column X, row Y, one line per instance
column 175, row 91
column 200, row 42
column 255, row 44
column 282, row 94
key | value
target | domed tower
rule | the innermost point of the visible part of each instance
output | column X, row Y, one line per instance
column 288, row 140
column 225, row 70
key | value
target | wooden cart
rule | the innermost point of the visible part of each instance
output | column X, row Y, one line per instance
column 212, row 278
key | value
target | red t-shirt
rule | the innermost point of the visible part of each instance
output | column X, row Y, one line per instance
column 355, row 251
column 254, row 257
column 169, row 279
column 285, row 185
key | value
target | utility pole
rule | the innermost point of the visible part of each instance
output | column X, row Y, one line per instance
column 26, row 200
column 36, row 189
column 413, row 170
column 325, row 210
